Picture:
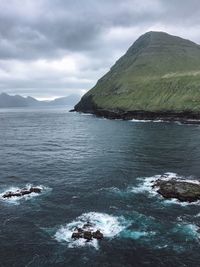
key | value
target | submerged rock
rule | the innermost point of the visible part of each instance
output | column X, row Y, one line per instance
column 22, row 192
column 178, row 189
column 87, row 233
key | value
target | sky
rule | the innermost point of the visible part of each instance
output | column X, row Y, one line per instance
column 54, row 48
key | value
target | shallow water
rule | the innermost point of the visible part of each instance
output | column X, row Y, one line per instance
column 98, row 170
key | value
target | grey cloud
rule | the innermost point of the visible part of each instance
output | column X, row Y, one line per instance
column 51, row 29
column 61, row 26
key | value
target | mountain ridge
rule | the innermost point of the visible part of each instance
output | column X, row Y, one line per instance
column 11, row 101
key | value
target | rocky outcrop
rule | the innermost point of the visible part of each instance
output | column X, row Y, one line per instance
column 87, row 232
column 22, row 192
column 178, row 189
column 185, row 117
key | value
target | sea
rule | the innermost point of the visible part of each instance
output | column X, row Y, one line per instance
column 100, row 171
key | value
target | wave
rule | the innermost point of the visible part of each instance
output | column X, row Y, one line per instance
column 189, row 122
column 134, row 234
column 86, row 114
column 109, row 225
column 189, row 231
column 16, row 200
column 136, row 120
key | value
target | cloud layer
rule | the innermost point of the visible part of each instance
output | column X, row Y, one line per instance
column 57, row 47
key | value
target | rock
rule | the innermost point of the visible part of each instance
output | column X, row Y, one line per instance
column 87, row 235
column 22, row 192
column 97, row 235
column 35, row 190
column 77, row 235
column 178, row 189
column 7, row 195
column 25, row 192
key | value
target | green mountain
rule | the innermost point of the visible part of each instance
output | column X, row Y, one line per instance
column 158, row 73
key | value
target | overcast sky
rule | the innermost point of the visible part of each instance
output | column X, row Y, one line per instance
column 52, row 48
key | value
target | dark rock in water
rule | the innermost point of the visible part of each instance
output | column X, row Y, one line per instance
column 22, row 192
column 77, row 235
column 11, row 194
column 80, row 230
column 35, row 190
column 86, row 233
column 25, row 192
column 181, row 190
column 97, row 235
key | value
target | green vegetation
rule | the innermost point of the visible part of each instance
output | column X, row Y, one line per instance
column 159, row 72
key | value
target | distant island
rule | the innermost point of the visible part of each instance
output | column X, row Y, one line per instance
column 9, row 101
column 157, row 78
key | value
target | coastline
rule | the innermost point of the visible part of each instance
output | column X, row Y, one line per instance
column 185, row 117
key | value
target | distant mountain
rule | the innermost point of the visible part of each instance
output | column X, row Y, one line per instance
column 159, row 73
column 8, row 101
column 70, row 100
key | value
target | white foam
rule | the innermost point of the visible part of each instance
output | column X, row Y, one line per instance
column 86, row 114
column 168, row 121
column 137, row 234
column 191, row 231
column 109, row 225
column 16, row 200
column 181, row 203
column 136, row 120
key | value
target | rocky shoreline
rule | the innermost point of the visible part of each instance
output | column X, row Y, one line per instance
column 185, row 117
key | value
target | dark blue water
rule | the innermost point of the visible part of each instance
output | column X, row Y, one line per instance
column 95, row 169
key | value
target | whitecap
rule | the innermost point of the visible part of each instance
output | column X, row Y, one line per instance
column 189, row 230
column 181, row 203
column 135, row 120
column 109, row 225
column 137, row 234
column 86, row 114
column 147, row 120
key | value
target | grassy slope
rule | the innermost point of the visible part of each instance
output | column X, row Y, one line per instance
column 159, row 72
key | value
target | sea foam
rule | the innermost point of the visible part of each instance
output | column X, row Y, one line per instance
column 16, row 200
column 109, row 225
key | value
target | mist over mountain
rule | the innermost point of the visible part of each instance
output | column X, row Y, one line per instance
column 9, row 101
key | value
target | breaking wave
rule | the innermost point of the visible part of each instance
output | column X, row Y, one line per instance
column 109, row 225
column 16, row 200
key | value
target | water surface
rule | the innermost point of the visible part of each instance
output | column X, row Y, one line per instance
column 95, row 169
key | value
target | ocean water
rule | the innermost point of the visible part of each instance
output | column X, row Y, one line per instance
column 97, row 170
